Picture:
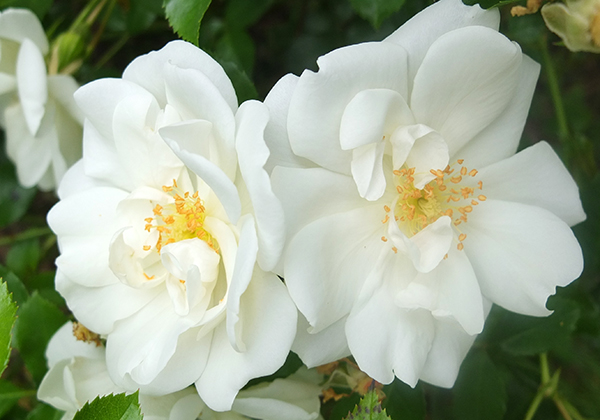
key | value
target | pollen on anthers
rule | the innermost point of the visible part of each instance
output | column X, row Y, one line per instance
column 179, row 220
column 454, row 192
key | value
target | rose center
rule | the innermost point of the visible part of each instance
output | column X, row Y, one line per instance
column 179, row 220
column 454, row 192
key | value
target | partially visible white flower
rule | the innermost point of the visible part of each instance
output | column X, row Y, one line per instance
column 37, row 110
column 78, row 374
column 408, row 212
column 168, row 228
column 577, row 22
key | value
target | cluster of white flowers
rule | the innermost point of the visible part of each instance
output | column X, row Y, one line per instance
column 385, row 189
column 37, row 110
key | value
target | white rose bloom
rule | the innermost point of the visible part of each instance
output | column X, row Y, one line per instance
column 78, row 374
column 166, row 249
column 407, row 209
column 37, row 110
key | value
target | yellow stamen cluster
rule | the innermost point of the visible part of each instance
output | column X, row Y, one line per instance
column 453, row 193
column 180, row 220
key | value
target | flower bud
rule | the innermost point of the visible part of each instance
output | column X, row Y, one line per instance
column 67, row 51
column 577, row 22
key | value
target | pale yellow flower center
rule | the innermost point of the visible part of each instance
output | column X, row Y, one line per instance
column 180, row 220
column 454, row 193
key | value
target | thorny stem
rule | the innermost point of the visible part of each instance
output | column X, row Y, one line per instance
column 23, row 236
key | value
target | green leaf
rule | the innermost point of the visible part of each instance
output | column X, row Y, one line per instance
column 242, row 84
column 45, row 412
column 10, row 394
column 23, row 257
column 488, row 4
column 243, row 13
column 185, row 17
column 376, row 11
column 15, row 286
column 142, row 14
column 38, row 321
column 39, row 7
column 236, row 46
column 369, row 408
column 404, row 402
column 480, row 391
column 111, row 407
column 8, row 309
column 547, row 333
column 14, row 199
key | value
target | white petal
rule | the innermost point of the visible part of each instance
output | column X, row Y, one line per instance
column 184, row 367
column 62, row 88
column 298, row 391
column 419, row 147
column 449, row 348
column 19, row 24
column 8, row 82
column 63, row 345
column 327, row 262
column 386, row 340
column 320, row 99
column 367, row 170
column 139, row 148
column 252, row 118
column 417, row 35
column 269, row 318
column 301, row 189
column 32, row 84
column 242, row 274
column 427, row 248
column 465, row 82
column 451, row 291
column 85, row 224
column 500, row 139
column 194, row 96
column 372, row 115
column 276, row 134
column 520, row 253
column 101, row 160
column 148, row 70
column 535, row 176
column 98, row 308
column 324, row 347
column 32, row 155
column 141, row 346
column 58, row 388
column 98, row 99
column 210, row 173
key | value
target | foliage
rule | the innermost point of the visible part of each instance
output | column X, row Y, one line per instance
column 369, row 408
column 8, row 309
column 519, row 366
column 111, row 407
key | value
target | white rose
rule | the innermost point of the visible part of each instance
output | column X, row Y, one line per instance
column 166, row 249
column 78, row 374
column 408, row 212
column 37, row 110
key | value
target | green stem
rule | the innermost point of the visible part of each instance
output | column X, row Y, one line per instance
column 559, row 108
column 103, row 23
column 112, row 51
column 543, row 389
column 545, row 370
column 535, row 403
column 23, row 236
column 561, row 407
